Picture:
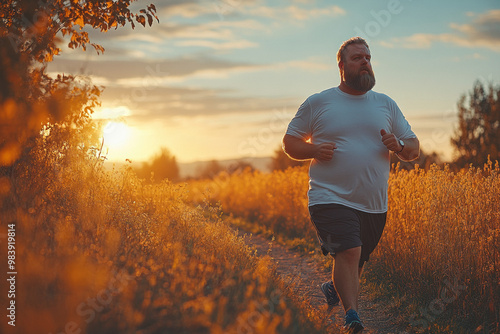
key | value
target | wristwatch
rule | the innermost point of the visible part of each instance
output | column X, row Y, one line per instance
column 402, row 143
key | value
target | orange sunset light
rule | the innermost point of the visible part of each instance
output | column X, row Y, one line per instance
column 116, row 134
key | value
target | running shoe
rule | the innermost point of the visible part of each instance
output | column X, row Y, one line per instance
column 332, row 299
column 352, row 323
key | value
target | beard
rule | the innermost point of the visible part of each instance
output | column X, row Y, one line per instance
column 360, row 82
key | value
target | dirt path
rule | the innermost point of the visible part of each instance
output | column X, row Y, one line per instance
column 308, row 275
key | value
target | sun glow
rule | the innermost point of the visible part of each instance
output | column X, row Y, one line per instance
column 116, row 134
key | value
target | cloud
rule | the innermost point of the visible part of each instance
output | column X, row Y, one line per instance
column 183, row 8
column 214, row 34
column 210, row 24
column 306, row 14
column 148, row 71
column 148, row 103
column 296, row 12
column 310, row 65
column 305, row 1
column 242, row 44
column 230, row 8
column 197, row 8
column 218, row 35
column 173, row 30
column 483, row 32
column 485, row 27
column 203, row 36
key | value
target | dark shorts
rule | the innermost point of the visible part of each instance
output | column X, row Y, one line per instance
column 340, row 227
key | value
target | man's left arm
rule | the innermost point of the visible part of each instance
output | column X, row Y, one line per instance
column 407, row 152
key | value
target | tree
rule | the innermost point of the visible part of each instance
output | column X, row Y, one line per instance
column 32, row 26
column 478, row 133
column 31, row 101
column 209, row 170
column 239, row 166
column 162, row 166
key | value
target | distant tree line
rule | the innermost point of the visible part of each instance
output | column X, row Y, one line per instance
column 164, row 166
column 214, row 168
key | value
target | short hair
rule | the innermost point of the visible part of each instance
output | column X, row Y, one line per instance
column 342, row 50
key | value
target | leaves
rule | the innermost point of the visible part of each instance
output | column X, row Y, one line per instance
column 141, row 20
column 79, row 21
column 36, row 24
column 29, row 34
column 478, row 133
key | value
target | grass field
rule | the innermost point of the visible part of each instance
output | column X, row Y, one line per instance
column 438, row 264
column 106, row 252
column 103, row 252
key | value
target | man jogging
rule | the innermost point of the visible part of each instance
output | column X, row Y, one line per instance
column 348, row 132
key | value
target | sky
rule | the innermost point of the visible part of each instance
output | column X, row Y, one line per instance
column 221, row 79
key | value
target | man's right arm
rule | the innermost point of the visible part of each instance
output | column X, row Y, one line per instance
column 299, row 149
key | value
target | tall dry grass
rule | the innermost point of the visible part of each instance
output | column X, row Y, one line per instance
column 442, row 247
column 277, row 200
column 102, row 252
column 440, row 253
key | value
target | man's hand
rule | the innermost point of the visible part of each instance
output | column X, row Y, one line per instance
column 324, row 152
column 300, row 149
column 390, row 141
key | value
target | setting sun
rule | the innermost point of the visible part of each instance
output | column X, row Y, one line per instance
column 116, row 134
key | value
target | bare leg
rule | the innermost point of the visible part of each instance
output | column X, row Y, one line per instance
column 360, row 271
column 346, row 274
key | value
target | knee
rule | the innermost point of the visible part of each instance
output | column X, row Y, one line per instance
column 351, row 254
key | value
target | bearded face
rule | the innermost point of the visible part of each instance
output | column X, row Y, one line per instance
column 356, row 69
column 361, row 80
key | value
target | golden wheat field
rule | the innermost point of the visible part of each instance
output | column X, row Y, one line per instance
column 103, row 252
column 106, row 252
column 439, row 258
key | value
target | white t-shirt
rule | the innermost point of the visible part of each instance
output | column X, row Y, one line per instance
column 358, row 173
